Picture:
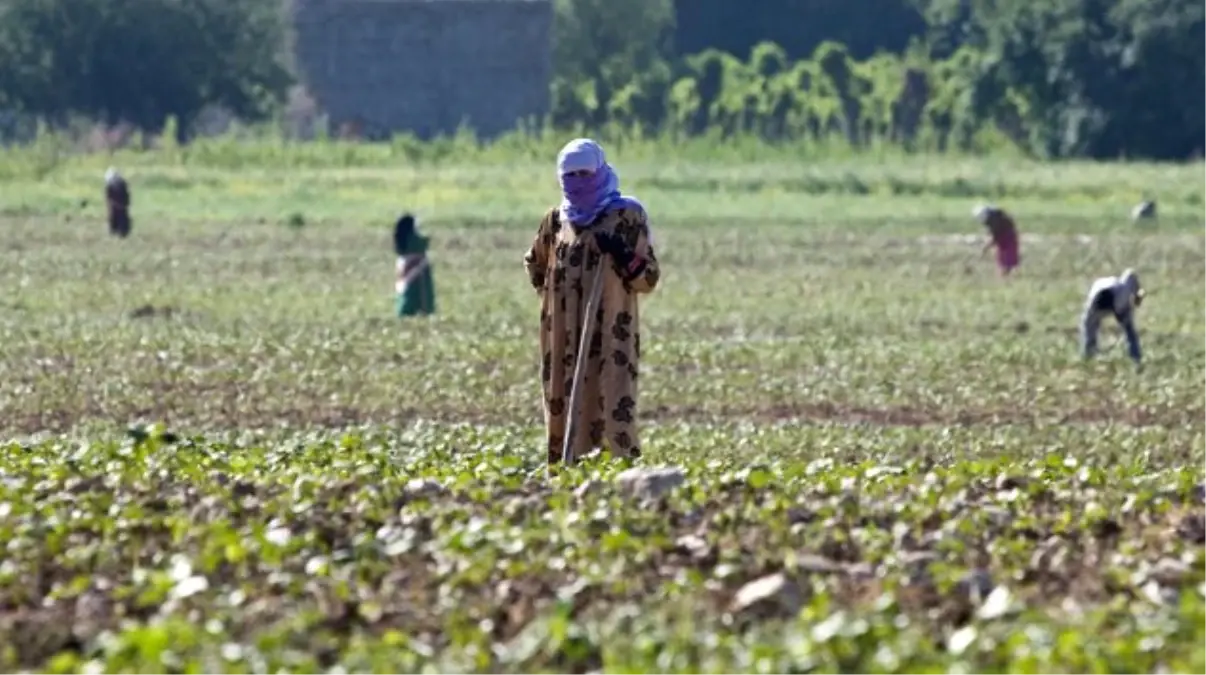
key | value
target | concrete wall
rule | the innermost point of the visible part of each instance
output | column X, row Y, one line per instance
column 425, row 65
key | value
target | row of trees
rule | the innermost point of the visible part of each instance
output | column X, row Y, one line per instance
column 1099, row 78
column 909, row 101
column 141, row 61
column 1059, row 78
column 797, row 26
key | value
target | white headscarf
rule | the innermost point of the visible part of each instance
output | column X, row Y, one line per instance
column 580, row 154
column 584, row 154
column 983, row 211
column 583, row 198
column 1130, row 281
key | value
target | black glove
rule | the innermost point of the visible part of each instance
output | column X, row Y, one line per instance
column 627, row 263
column 626, row 260
column 613, row 245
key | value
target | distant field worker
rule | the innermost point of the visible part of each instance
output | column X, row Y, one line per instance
column 1003, row 233
column 117, row 197
column 414, row 288
column 1119, row 296
column 594, row 225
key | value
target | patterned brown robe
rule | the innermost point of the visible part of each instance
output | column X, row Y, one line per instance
column 561, row 264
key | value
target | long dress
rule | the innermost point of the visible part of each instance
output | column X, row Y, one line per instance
column 1005, row 237
column 117, row 197
column 561, row 264
column 416, row 295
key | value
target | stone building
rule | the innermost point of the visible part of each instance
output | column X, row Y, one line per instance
column 425, row 66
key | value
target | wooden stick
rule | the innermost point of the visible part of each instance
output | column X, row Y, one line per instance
column 588, row 327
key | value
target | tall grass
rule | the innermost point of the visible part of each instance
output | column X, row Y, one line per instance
column 263, row 171
column 268, row 147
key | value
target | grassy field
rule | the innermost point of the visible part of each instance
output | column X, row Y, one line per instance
column 224, row 454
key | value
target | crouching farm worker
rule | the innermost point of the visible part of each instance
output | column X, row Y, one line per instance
column 117, row 197
column 414, row 289
column 1003, row 234
column 594, row 225
column 1118, row 296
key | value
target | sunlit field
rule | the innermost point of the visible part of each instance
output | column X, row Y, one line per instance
column 221, row 452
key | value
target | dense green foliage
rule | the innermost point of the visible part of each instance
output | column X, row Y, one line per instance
column 1100, row 78
column 1096, row 78
column 799, row 26
column 140, row 61
column 881, row 99
column 1093, row 78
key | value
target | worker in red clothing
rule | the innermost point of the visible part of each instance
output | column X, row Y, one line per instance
column 1004, row 235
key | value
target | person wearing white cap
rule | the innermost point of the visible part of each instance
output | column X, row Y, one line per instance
column 1118, row 296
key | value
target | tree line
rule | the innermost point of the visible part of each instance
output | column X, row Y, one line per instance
column 1059, row 78
column 142, row 61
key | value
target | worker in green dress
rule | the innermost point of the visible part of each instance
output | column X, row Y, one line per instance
column 413, row 287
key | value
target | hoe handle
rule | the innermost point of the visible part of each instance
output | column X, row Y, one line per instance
column 588, row 327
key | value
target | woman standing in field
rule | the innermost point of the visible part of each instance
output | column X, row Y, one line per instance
column 1003, row 234
column 117, row 198
column 593, row 221
column 413, row 287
